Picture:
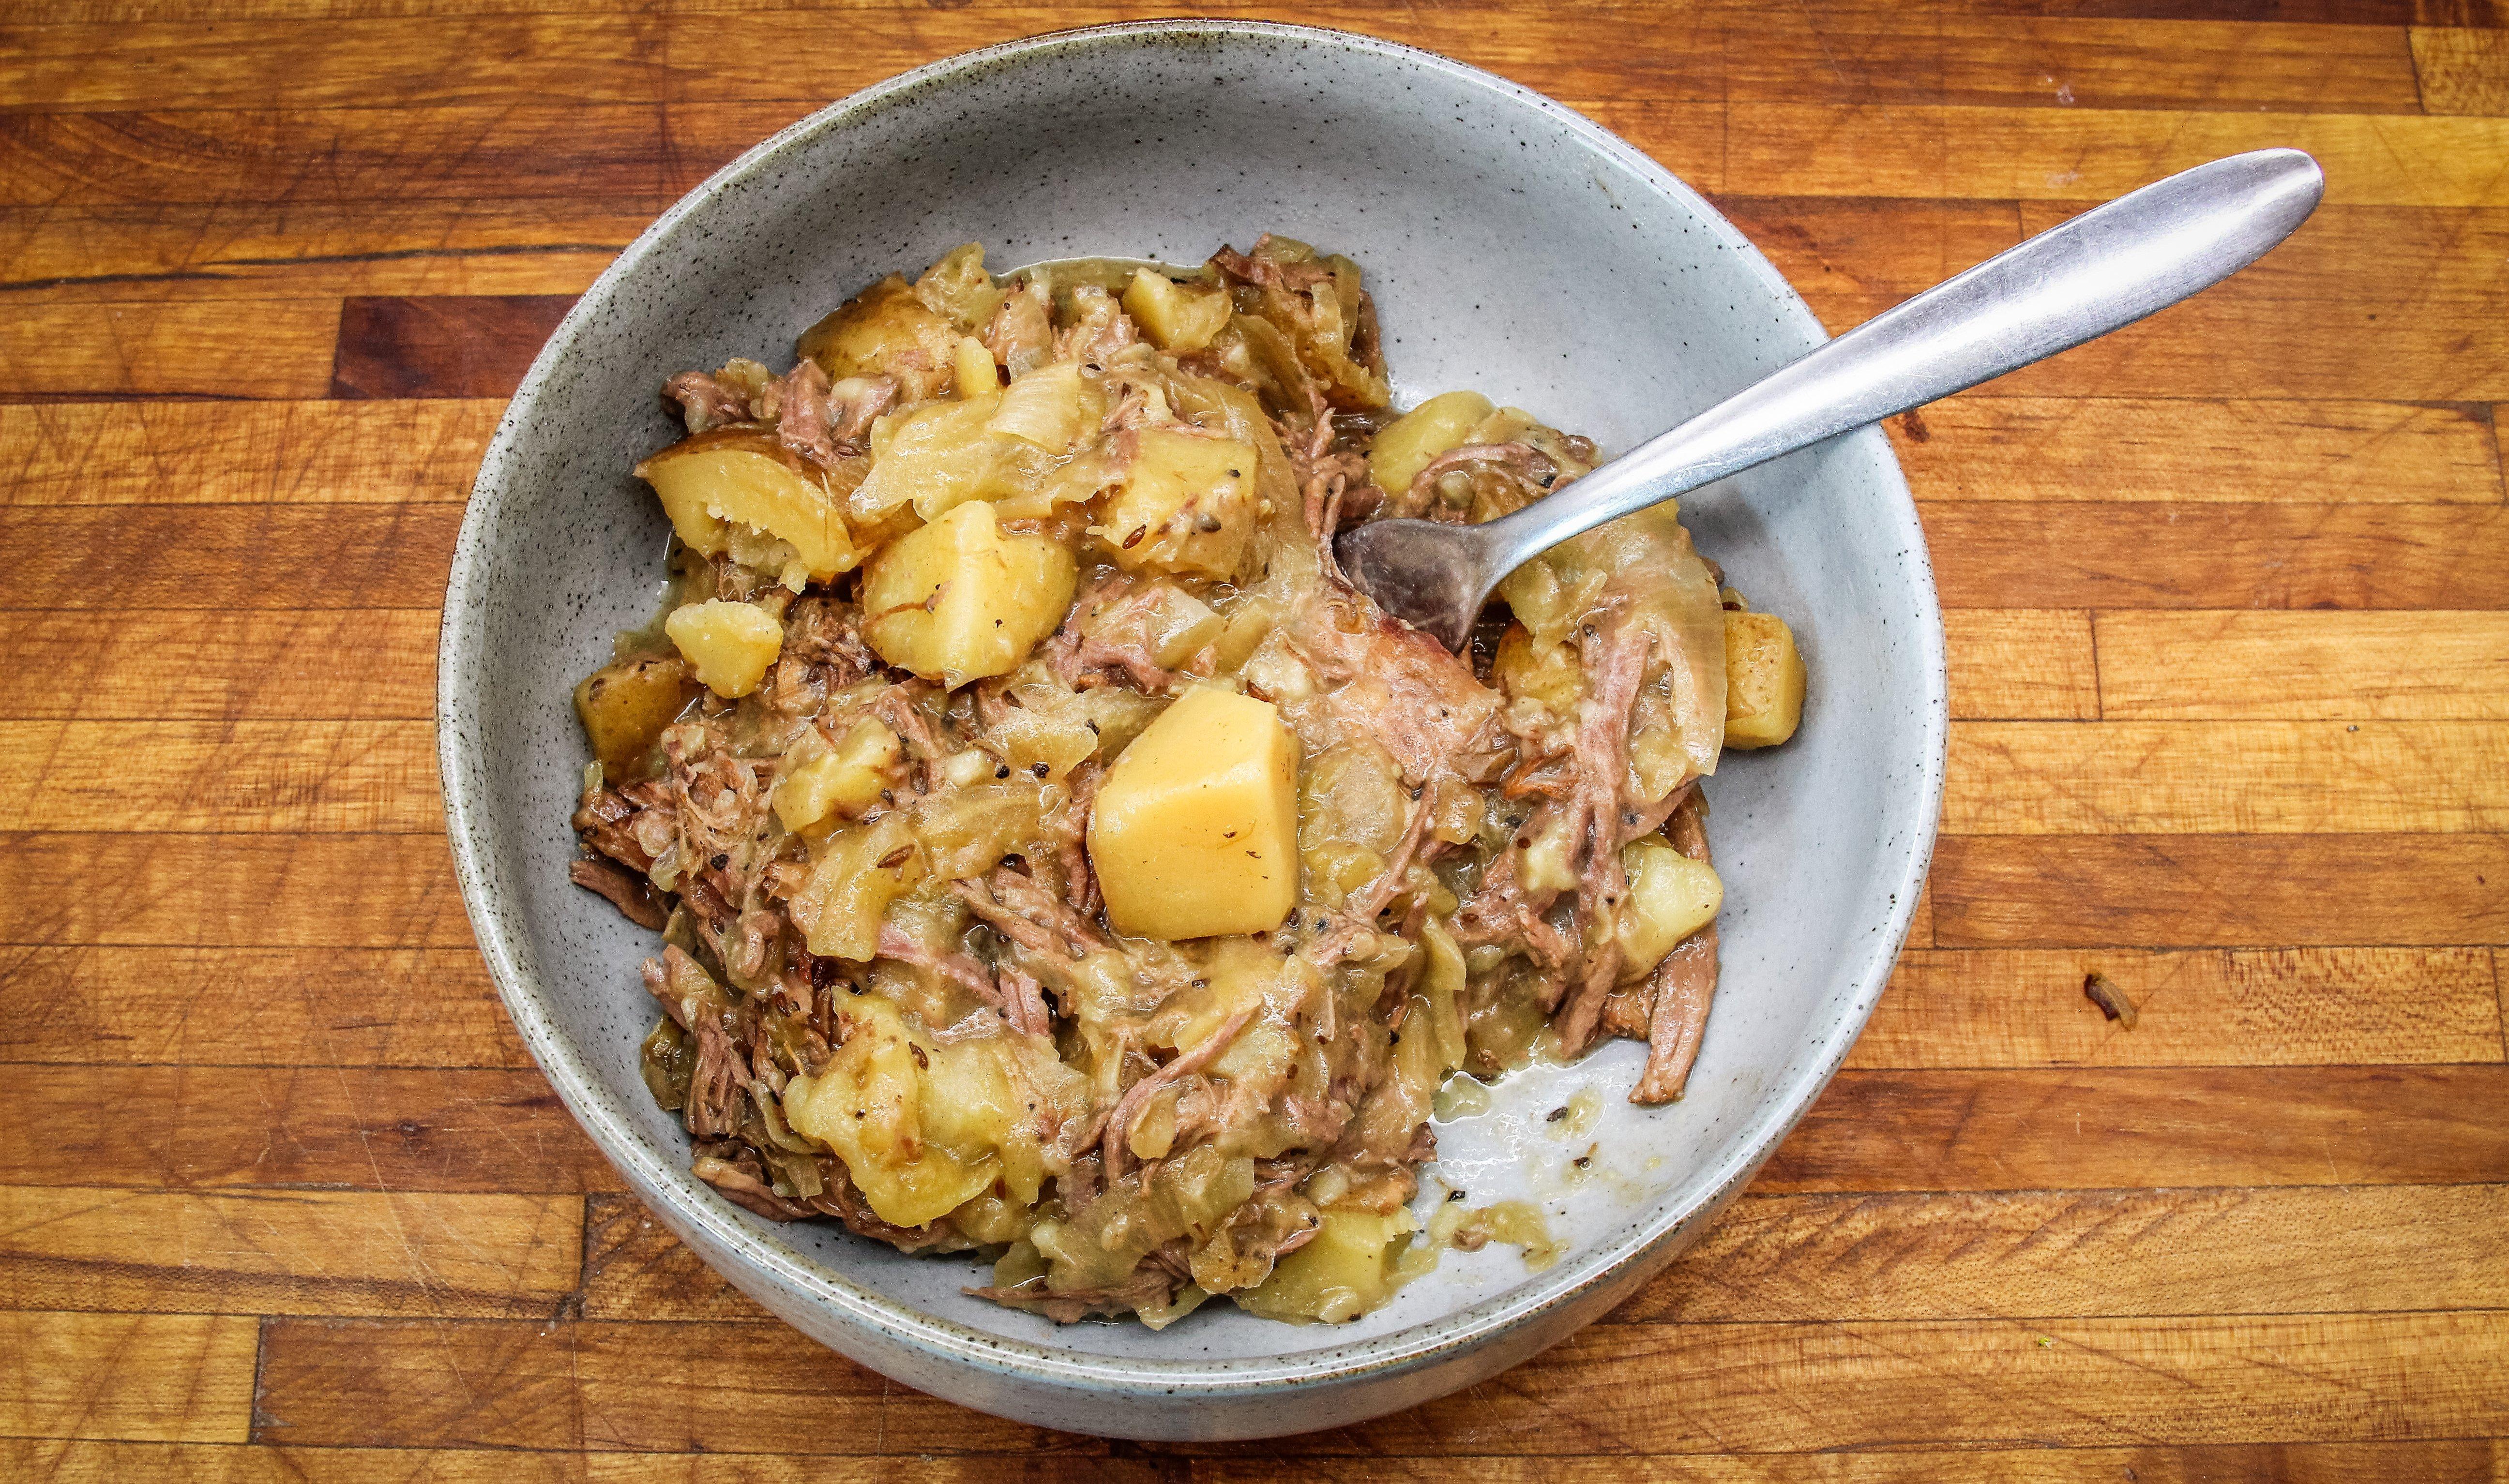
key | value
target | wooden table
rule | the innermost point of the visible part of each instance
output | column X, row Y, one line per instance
column 2228, row 608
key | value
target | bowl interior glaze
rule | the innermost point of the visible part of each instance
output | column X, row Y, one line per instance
column 1513, row 249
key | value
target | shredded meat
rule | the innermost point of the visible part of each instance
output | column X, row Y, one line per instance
column 1119, row 1126
column 857, row 402
column 634, row 895
column 1601, row 771
column 803, row 419
column 704, row 402
column 1398, row 686
column 1151, row 1287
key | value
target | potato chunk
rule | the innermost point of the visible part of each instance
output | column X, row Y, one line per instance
column 886, row 332
column 625, row 705
column 1670, row 897
column 858, row 874
column 1344, row 1272
column 1177, row 317
column 728, row 645
column 962, row 598
column 1407, row 443
column 1764, row 680
column 1183, row 505
column 845, row 781
column 1195, row 831
column 740, row 475
column 1548, row 674
column 868, row 1106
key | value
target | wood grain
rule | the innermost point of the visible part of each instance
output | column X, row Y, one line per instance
column 149, row 1378
column 2076, row 555
column 592, row 1385
column 2226, row 777
column 2250, row 666
column 96, row 1463
column 2012, row 62
column 227, row 453
column 301, row 1251
column 471, row 346
column 2189, row 451
column 2461, row 69
column 225, row 557
column 2086, row 1253
column 173, row 252
column 2089, row 155
column 259, row 777
column 254, row 349
column 1671, row 1388
column 2467, row 1462
column 351, row 891
column 664, row 58
column 1662, row 1389
column 319, row 665
column 2316, row 319
column 635, row 1270
column 2096, row 1129
column 2009, row 664
column 2207, row 1007
column 2225, row 891
column 273, row 1007
column 341, row 1128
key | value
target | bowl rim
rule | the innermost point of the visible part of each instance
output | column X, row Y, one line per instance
column 936, row 1339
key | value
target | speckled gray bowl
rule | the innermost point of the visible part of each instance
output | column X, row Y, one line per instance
column 1514, row 247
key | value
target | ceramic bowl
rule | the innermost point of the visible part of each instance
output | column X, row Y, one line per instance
column 1514, row 247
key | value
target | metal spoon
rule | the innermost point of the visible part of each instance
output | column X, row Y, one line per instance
column 2099, row 272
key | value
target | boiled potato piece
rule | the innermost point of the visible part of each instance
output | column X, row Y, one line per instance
column 1764, row 680
column 961, row 599
column 973, row 375
column 739, row 474
column 1344, row 1272
column 1177, row 317
column 1670, row 897
column 728, row 645
column 845, row 781
column 1548, row 674
column 1183, row 505
column 625, row 705
column 1195, row 831
column 860, row 871
column 870, row 1106
column 886, row 332
column 1407, row 443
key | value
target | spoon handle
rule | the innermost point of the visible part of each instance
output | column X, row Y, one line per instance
column 2105, row 269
